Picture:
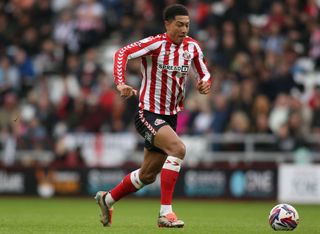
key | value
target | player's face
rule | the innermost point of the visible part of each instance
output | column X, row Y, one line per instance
column 178, row 28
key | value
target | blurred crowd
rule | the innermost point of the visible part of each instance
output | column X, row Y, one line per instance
column 56, row 68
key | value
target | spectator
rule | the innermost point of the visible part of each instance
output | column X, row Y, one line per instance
column 315, row 102
column 285, row 142
column 220, row 114
column 30, row 41
column 9, row 110
column 261, row 124
column 239, row 125
column 90, row 23
column 26, row 70
column 279, row 113
column 64, row 32
column 9, row 77
column 4, row 32
column 49, row 59
column 94, row 117
column 261, row 106
column 258, row 49
column 89, row 71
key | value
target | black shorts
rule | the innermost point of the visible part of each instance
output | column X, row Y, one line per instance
column 148, row 124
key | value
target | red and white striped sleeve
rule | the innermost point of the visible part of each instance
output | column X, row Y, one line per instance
column 131, row 51
column 201, row 64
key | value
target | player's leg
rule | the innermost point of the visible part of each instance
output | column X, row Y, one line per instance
column 150, row 126
column 131, row 183
column 167, row 140
column 151, row 166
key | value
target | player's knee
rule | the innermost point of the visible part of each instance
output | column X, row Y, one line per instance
column 177, row 149
column 148, row 178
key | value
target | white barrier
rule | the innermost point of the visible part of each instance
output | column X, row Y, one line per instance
column 299, row 183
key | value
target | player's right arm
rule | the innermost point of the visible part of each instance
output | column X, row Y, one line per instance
column 131, row 51
column 126, row 91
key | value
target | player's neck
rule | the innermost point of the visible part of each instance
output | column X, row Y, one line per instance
column 172, row 41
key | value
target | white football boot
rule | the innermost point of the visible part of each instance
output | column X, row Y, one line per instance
column 106, row 212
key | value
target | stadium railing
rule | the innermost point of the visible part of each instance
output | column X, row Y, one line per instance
column 209, row 148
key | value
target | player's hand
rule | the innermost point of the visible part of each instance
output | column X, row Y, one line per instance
column 203, row 87
column 126, row 91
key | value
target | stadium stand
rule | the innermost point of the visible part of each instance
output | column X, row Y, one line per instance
column 56, row 77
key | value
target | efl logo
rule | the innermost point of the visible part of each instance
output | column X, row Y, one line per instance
column 184, row 68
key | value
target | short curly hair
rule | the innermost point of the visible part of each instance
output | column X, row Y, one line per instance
column 171, row 11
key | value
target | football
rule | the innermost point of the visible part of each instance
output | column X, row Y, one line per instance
column 283, row 217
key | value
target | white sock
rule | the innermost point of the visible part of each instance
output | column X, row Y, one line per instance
column 109, row 200
column 165, row 209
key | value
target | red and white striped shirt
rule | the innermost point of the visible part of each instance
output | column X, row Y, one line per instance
column 164, row 69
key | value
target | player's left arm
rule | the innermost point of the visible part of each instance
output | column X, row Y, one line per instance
column 205, row 79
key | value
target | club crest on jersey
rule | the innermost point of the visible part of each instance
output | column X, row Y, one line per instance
column 186, row 55
column 158, row 122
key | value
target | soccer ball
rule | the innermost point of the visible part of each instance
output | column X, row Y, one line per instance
column 283, row 217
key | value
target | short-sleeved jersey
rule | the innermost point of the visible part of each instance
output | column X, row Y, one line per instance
column 164, row 69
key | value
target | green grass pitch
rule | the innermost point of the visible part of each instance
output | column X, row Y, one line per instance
column 139, row 216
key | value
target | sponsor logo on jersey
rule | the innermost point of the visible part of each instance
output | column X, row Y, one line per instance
column 159, row 121
column 183, row 68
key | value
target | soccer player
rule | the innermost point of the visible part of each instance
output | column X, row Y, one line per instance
column 165, row 62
